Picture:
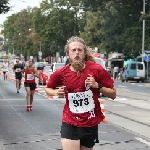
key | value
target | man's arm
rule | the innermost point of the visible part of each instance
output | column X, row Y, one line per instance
column 107, row 83
column 54, row 81
column 53, row 92
column 14, row 68
column 23, row 71
column 108, row 92
column 104, row 85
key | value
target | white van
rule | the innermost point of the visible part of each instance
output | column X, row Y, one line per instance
column 101, row 62
column 134, row 71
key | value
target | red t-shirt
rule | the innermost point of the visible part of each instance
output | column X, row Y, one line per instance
column 29, row 78
column 76, row 83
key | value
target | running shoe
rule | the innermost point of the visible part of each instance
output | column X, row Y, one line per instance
column 28, row 108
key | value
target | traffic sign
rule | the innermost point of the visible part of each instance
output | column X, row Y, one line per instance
column 147, row 58
column 40, row 53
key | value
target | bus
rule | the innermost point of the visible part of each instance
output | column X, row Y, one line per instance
column 112, row 62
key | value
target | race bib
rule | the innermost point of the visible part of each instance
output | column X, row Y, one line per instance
column 30, row 77
column 18, row 69
column 81, row 102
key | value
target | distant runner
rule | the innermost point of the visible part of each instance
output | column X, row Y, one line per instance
column 30, row 85
column 5, row 70
column 18, row 68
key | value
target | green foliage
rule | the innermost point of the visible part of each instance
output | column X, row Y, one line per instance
column 110, row 25
column 1, row 41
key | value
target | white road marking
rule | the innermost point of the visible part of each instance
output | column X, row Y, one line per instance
column 142, row 140
column 118, row 99
column 140, row 85
column 121, row 99
column 122, row 86
column 119, row 105
column 133, row 83
column 126, row 89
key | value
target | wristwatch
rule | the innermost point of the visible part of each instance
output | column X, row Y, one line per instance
column 99, row 86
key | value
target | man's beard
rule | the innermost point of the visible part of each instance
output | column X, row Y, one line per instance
column 77, row 65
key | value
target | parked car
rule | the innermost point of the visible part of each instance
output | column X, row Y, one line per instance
column 40, row 66
column 44, row 75
column 133, row 71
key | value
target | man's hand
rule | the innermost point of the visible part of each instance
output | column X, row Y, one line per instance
column 61, row 92
column 90, row 82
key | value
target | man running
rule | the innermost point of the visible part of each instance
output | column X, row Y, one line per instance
column 82, row 81
column 30, row 85
column 5, row 70
column 18, row 68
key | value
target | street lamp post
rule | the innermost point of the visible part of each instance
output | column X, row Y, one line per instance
column 21, row 45
column 40, row 47
column 143, row 34
column 147, row 66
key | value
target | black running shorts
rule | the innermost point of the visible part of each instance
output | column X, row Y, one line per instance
column 31, row 85
column 19, row 77
column 88, row 136
column 4, row 72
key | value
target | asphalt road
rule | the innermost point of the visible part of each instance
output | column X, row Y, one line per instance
column 40, row 128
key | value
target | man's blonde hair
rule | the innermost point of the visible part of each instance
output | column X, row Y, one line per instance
column 88, row 56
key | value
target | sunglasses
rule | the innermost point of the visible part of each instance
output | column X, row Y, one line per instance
column 17, row 61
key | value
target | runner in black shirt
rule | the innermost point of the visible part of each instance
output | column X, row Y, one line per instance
column 18, row 68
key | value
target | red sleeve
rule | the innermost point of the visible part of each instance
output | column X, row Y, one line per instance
column 105, row 79
column 55, row 79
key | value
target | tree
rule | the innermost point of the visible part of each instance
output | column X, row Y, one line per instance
column 1, row 41
column 121, row 30
column 55, row 23
column 110, row 25
column 16, row 30
column 4, row 6
column 93, row 31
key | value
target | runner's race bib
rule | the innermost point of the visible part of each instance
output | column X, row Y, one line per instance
column 81, row 102
column 30, row 77
column 18, row 69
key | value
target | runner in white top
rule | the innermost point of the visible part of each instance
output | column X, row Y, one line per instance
column 5, row 70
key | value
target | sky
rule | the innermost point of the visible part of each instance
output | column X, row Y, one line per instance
column 18, row 5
